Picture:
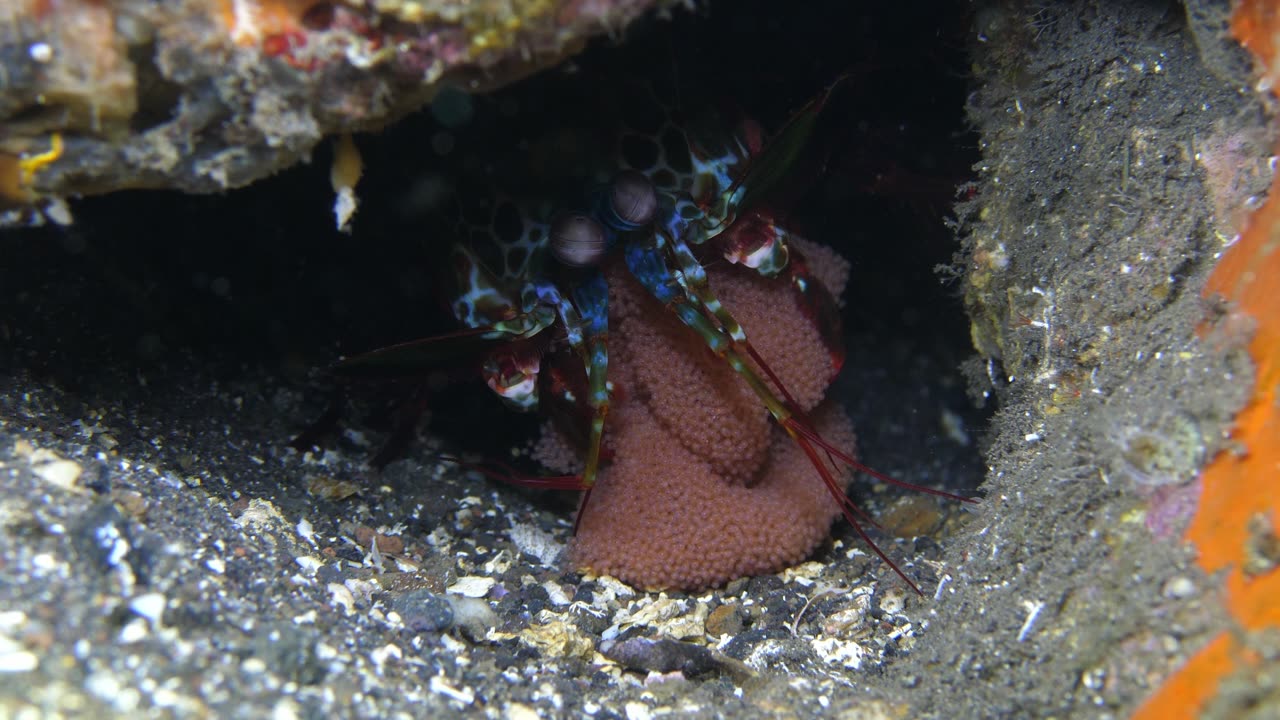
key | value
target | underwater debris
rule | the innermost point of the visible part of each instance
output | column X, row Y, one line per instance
column 206, row 95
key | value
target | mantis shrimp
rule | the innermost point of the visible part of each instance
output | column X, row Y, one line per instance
column 670, row 203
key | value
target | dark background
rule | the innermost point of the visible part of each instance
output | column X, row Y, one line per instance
column 258, row 280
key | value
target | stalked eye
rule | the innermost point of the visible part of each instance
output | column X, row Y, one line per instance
column 632, row 198
column 577, row 240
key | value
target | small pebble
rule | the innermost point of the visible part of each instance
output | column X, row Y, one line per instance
column 519, row 711
column 132, row 503
column 149, row 606
column 1178, row 588
column 134, row 631
column 912, row 516
column 724, row 620
column 662, row 655
column 61, row 473
column 386, row 543
column 330, row 488
column 893, row 601
column 14, row 658
column 472, row 586
column 341, row 596
column 424, row 611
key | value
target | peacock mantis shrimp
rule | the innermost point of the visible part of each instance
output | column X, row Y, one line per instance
column 670, row 204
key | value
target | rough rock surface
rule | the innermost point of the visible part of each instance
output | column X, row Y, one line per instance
column 207, row 95
column 1117, row 164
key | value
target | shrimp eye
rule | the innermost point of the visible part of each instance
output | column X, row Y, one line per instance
column 577, row 240
column 632, row 197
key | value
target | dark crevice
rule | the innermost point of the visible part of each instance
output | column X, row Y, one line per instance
column 259, row 278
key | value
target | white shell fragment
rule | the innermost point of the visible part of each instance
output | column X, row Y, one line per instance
column 472, row 586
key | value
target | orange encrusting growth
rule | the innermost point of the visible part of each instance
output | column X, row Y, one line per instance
column 1256, row 24
column 1240, row 486
column 704, row 487
column 250, row 20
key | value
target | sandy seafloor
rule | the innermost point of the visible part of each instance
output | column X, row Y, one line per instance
column 163, row 551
